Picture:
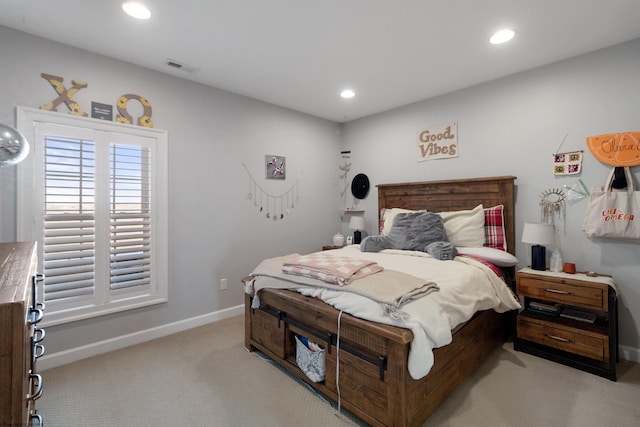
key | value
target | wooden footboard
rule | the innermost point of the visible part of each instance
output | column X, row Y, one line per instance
column 374, row 380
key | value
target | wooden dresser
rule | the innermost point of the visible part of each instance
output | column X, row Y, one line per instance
column 20, row 336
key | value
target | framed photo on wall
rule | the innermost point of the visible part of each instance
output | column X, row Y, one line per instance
column 275, row 167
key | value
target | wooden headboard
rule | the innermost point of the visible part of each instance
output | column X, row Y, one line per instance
column 455, row 194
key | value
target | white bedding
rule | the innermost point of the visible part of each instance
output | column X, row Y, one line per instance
column 466, row 286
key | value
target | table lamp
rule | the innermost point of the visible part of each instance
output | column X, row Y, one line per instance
column 538, row 235
column 356, row 223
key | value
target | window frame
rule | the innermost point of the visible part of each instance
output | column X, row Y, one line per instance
column 29, row 215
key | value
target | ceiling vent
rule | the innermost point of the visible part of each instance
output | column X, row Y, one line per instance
column 177, row 65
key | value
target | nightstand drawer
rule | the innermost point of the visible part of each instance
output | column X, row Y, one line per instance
column 583, row 294
column 577, row 341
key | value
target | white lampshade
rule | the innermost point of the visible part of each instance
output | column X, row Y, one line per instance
column 538, row 234
column 356, row 223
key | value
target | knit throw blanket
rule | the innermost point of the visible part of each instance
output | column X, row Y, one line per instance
column 391, row 288
column 338, row 270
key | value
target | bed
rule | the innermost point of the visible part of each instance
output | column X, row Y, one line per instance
column 374, row 379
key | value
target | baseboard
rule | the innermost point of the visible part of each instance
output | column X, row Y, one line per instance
column 49, row 361
column 73, row 355
column 630, row 353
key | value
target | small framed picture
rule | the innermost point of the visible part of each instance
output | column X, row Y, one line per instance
column 275, row 166
column 101, row 111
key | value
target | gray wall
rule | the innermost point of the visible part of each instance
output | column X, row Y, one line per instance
column 214, row 232
column 512, row 126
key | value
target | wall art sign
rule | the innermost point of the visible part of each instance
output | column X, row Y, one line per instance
column 65, row 95
column 616, row 149
column 125, row 117
column 567, row 163
column 102, row 111
column 275, row 167
column 438, row 142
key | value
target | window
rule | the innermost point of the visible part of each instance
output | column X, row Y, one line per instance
column 93, row 195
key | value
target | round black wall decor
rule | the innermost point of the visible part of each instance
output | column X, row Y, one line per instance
column 360, row 186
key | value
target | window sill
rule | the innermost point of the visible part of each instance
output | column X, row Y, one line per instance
column 71, row 315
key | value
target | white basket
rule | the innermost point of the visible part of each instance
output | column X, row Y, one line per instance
column 310, row 362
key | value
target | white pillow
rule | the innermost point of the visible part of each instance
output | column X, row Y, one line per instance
column 464, row 228
column 494, row 256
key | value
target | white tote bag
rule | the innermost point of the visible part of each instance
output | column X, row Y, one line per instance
column 614, row 214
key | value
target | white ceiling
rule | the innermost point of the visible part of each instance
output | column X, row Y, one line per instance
column 300, row 54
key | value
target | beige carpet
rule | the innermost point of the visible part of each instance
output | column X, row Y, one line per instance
column 205, row 377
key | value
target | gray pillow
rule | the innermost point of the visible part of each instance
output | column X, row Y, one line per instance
column 442, row 250
column 375, row 244
column 413, row 231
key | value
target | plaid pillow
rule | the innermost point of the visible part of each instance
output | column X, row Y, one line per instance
column 494, row 228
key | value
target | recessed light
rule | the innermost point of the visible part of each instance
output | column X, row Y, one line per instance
column 502, row 36
column 137, row 10
column 347, row 93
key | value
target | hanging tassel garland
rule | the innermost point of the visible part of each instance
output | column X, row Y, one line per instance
column 267, row 200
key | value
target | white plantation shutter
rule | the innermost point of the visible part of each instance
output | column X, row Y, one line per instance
column 93, row 195
column 130, row 198
column 69, row 217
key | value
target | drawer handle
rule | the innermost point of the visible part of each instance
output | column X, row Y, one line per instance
column 37, row 418
column 36, row 315
column 556, row 291
column 37, row 278
column 38, row 351
column 553, row 337
column 38, row 392
column 38, row 335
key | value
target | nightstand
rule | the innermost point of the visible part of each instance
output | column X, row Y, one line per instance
column 330, row 247
column 592, row 347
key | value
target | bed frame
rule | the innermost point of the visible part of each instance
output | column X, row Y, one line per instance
column 375, row 384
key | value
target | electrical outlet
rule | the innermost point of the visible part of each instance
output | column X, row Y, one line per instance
column 223, row 284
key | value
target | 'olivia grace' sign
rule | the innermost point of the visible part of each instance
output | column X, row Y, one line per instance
column 438, row 142
column 616, row 149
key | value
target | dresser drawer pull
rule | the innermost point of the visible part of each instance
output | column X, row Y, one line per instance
column 553, row 337
column 38, row 334
column 38, row 351
column 556, row 291
column 37, row 278
column 38, row 392
column 36, row 315
column 37, row 418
